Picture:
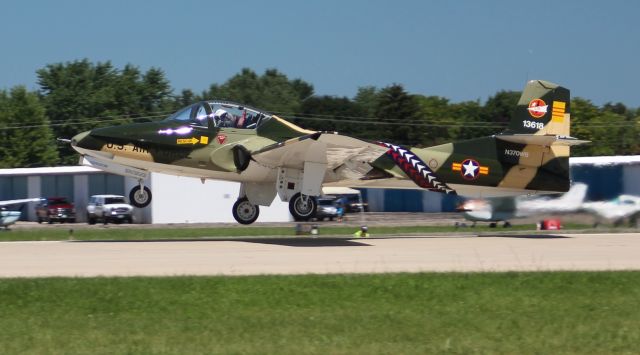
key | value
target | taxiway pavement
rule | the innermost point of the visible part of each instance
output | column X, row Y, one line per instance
column 304, row 255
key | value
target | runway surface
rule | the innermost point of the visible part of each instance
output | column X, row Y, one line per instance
column 306, row 255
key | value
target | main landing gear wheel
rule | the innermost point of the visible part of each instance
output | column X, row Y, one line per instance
column 302, row 207
column 140, row 197
column 245, row 212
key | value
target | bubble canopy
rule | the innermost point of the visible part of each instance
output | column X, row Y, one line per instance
column 220, row 114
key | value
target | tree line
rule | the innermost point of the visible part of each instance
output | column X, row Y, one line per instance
column 76, row 96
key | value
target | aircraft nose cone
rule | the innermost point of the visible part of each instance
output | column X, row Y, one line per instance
column 85, row 141
column 78, row 138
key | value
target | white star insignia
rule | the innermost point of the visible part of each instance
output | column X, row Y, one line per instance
column 470, row 169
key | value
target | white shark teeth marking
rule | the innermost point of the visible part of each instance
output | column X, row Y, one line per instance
column 418, row 165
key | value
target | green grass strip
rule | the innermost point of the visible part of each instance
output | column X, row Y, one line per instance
column 508, row 313
column 152, row 233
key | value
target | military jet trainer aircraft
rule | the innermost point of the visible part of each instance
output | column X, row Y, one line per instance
column 270, row 156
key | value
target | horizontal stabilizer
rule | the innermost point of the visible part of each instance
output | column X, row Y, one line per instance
column 543, row 140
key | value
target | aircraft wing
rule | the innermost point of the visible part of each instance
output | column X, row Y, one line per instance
column 349, row 155
column 15, row 202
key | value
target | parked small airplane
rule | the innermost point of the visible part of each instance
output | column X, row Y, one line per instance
column 504, row 209
column 616, row 210
column 270, row 156
column 7, row 217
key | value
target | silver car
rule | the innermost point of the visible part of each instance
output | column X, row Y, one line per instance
column 327, row 208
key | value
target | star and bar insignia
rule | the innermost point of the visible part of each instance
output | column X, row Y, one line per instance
column 470, row 169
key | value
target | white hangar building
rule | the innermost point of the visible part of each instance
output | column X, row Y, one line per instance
column 176, row 199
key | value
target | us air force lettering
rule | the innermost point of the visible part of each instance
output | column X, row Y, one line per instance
column 269, row 156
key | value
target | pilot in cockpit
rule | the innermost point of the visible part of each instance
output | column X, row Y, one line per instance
column 222, row 118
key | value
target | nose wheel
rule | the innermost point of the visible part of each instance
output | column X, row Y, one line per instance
column 302, row 207
column 140, row 196
column 245, row 212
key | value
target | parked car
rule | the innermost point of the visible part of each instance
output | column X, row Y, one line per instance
column 354, row 203
column 55, row 209
column 327, row 208
column 109, row 208
column 351, row 199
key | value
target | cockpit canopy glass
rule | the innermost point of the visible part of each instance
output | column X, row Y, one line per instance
column 220, row 114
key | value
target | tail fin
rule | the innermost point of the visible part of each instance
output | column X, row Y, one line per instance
column 542, row 117
column 573, row 198
column 537, row 140
column 544, row 108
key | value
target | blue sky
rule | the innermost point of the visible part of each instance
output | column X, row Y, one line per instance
column 462, row 50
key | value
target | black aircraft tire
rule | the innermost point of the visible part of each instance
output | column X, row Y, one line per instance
column 140, row 199
column 300, row 210
column 245, row 212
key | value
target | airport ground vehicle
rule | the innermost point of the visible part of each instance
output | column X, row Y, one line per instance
column 55, row 209
column 327, row 208
column 354, row 203
column 109, row 208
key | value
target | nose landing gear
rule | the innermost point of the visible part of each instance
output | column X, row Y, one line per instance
column 140, row 196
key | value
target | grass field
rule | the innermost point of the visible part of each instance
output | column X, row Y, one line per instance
column 134, row 233
column 545, row 313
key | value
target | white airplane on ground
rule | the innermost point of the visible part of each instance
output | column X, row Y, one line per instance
column 8, row 218
column 503, row 209
column 616, row 210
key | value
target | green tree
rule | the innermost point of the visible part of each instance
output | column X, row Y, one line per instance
column 618, row 108
column 186, row 98
column 25, row 133
column 367, row 99
column 499, row 109
column 330, row 113
column 400, row 113
column 468, row 116
column 272, row 91
column 80, row 95
column 610, row 133
column 436, row 114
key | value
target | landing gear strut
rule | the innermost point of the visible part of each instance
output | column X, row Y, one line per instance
column 302, row 207
column 245, row 212
column 140, row 196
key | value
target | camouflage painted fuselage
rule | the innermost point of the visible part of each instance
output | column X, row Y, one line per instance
column 530, row 156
